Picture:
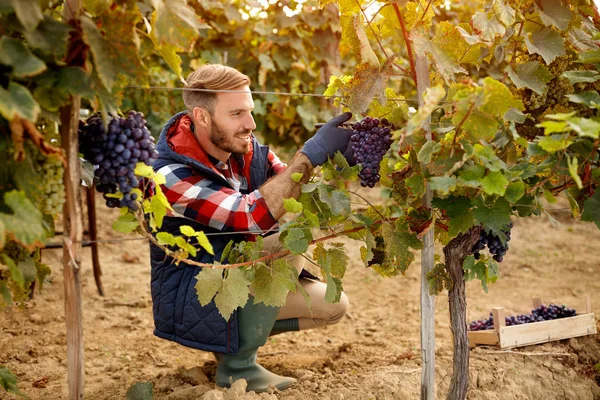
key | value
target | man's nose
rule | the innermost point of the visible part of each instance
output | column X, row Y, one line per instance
column 249, row 123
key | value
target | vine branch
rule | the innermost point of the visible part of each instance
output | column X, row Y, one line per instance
column 411, row 57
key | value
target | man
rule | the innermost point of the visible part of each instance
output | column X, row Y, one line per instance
column 219, row 179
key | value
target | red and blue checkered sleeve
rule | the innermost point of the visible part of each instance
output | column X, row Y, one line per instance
column 212, row 204
column 276, row 166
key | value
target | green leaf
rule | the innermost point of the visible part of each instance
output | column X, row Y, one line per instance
column 28, row 12
column 337, row 200
column 504, row 12
column 585, row 127
column 443, row 184
column 25, row 224
column 18, row 102
column 495, row 183
column 498, row 98
column 458, row 210
column 532, row 75
column 493, row 214
column 165, row 238
column 204, row 242
column 125, row 223
column 398, row 242
column 487, row 26
column 311, row 218
column 547, row 43
column 50, row 36
column 233, row 292
column 297, row 176
column 15, row 271
column 100, row 48
column 480, row 271
column 431, row 98
column 581, row 76
column 553, row 13
column 489, row 158
column 514, row 115
column 140, row 391
column 292, row 205
column 159, row 210
column 554, row 127
column 591, row 208
column 416, row 185
column 590, row 57
column 14, row 53
column 515, row 191
column 573, row 164
column 273, row 282
column 554, row 143
column 588, row 98
column 295, row 241
column 333, row 292
column 187, row 230
column 8, row 381
column 427, row 151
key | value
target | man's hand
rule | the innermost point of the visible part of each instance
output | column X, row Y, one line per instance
column 328, row 139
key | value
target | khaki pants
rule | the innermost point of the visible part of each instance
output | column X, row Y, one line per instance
column 321, row 313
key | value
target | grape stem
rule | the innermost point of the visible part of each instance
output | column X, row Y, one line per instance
column 383, row 218
column 411, row 57
column 459, row 126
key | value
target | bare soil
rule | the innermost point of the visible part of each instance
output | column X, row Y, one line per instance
column 373, row 353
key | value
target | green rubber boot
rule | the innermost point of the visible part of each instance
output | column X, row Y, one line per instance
column 255, row 322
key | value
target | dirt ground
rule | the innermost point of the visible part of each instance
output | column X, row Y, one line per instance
column 373, row 353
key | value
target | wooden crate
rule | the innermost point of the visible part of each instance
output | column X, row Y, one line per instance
column 508, row 337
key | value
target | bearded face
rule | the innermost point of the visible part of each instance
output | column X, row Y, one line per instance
column 236, row 142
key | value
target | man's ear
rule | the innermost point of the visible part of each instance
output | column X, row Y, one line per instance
column 201, row 117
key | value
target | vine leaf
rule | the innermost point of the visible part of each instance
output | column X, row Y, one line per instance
column 487, row 26
column 552, row 12
column 105, row 67
column 398, row 242
column 273, row 282
column 504, row 12
column 515, row 191
column 547, row 43
column 589, row 98
column 17, row 101
column 581, row 76
column 591, row 209
column 494, row 183
column 554, row 143
column 443, row 184
column 445, row 64
column 494, row 215
column 368, row 81
column 13, row 53
column 338, row 201
column 334, row 289
column 532, row 75
column 126, row 223
column 431, row 98
column 50, row 35
column 295, row 240
column 26, row 223
column 458, row 210
column 229, row 288
column 28, row 12
column 479, row 270
column 8, row 380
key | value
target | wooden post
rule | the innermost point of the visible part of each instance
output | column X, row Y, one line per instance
column 427, row 264
column 73, row 232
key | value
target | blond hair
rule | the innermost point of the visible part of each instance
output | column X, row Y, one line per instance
column 214, row 77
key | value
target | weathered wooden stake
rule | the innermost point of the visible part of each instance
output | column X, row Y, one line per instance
column 427, row 264
column 73, row 232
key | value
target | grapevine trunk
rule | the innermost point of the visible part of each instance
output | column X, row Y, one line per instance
column 455, row 252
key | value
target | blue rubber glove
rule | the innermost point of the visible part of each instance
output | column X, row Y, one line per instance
column 328, row 139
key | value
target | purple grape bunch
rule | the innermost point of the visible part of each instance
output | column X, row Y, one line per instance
column 493, row 243
column 371, row 140
column 539, row 314
column 115, row 150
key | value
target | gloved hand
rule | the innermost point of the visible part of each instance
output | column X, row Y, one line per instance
column 328, row 139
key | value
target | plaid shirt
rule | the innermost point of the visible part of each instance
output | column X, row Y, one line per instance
column 195, row 196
